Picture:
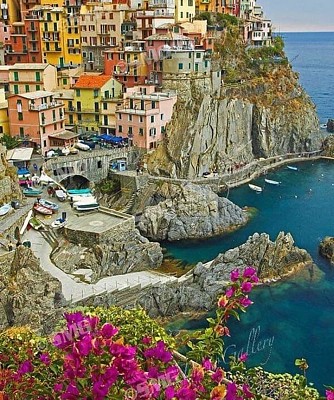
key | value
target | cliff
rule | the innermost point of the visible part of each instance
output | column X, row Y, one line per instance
column 189, row 211
column 218, row 124
column 272, row 260
column 9, row 187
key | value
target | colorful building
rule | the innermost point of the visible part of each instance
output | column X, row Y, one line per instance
column 91, row 94
column 36, row 117
column 4, row 120
column 144, row 114
column 32, row 77
column 149, row 20
column 184, row 10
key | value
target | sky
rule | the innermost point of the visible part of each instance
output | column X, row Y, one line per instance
column 300, row 15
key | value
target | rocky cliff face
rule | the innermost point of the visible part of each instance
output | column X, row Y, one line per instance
column 217, row 126
column 28, row 295
column 272, row 260
column 187, row 212
column 130, row 252
column 9, row 187
column 326, row 248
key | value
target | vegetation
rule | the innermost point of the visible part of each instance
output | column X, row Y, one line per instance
column 9, row 141
column 109, row 186
column 120, row 354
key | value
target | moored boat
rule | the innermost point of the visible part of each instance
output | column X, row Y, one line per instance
column 292, row 168
column 4, row 209
column 86, row 204
column 271, row 182
column 78, row 191
column 49, row 204
column 82, row 146
column 41, row 209
column 60, row 194
column 256, row 188
column 32, row 192
column 59, row 223
column 35, row 223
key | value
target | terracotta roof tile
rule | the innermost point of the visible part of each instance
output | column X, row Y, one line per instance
column 91, row 81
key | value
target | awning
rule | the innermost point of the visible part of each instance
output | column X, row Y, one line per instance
column 109, row 138
column 21, row 154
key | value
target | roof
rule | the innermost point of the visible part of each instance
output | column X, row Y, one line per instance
column 91, row 81
column 36, row 95
column 65, row 135
column 167, row 36
column 29, row 66
column 21, row 154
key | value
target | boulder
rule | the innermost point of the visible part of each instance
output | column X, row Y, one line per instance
column 326, row 248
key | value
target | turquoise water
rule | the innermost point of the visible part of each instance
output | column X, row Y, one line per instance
column 289, row 319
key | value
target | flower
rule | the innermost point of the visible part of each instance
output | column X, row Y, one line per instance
column 218, row 375
column 223, row 301
column 235, row 274
column 230, row 291
column 25, row 367
column 245, row 301
column 45, row 358
column 243, row 357
column 249, row 272
column 207, row 364
column 108, row 331
column 246, row 392
column 159, row 352
column 246, row 287
column 218, row 392
column 330, row 394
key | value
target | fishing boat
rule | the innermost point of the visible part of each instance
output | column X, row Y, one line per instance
column 59, row 223
column 79, row 191
column 292, row 168
column 32, row 192
column 4, row 209
column 41, row 209
column 48, row 204
column 60, row 194
column 86, row 205
column 257, row 189
column 35, row 223
column 271, row 182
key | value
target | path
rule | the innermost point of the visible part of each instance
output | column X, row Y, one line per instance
column 75, row 291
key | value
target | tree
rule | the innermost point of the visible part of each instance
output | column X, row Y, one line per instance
column 9, row 141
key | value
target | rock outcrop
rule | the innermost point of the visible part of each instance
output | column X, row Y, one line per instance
column 189, row 211
column 9, row 186
column 28, row 294
column 328, row 146
column 217, row 126
column 130, row 252
column 272, row 260
column 326, row 248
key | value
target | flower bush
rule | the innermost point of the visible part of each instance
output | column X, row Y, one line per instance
column 121, row 354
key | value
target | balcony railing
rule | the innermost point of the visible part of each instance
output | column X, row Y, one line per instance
column 44, row 106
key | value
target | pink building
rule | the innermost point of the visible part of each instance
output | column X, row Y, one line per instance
column 144, row 114
column 38, row 118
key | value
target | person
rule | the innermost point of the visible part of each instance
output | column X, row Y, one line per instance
column 35, row 167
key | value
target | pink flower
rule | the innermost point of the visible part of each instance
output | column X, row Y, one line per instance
column 25, row 368
column 235, row 275
column 230, row 291
column 243, row 357
column 222, row 301
column 147, row 340
column 45, row 358
column 108, row 331
column 246, row 392
column 245, row 302
column 330, row 394
column 159, row 352
column 207, row 364
column 246, row 287
column 249, row 272
column 218, row 375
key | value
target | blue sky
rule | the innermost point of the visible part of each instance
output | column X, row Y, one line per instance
column 300, row 15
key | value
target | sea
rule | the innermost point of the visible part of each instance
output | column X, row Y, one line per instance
column 293, row 318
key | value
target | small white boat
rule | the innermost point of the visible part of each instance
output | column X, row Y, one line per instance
column 257, row 189
column 323, row 126
column 292, row 168
column 82, row 146
column 86, row 205
column 271, row 182
column 60, row 194
column 4, row 209
column 58, row 223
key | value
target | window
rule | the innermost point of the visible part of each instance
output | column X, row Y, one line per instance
column 120, row 128
column 20, row 116
column 153, row 131
column 130, row 132
column 198, row 55
column 96, row 92
column 55, row 126
column 53, row 115
column 26, row 88
column 141, row 131
column 180, row 66
column 161, row 117
column 97, row 118
column 16, row 76
column 96, row 107
column 38, row 76
column 99, row 164
column 64, row 81
column 130, row 117
column 79, row 105
column 105, row 106
column 77, row 92
column 153, row 104
column 43, row 129
column 16, row 89
column 38, row 87
column 21, row 131
column 141, row 118
column 119, row 116
column 152, row 119
column 181, row 14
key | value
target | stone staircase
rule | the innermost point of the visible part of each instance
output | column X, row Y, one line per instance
column 50, row 236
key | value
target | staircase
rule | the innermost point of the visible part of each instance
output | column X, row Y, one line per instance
column 50, row 236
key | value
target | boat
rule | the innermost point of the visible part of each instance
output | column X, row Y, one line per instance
column 82, row 146
column 59, row 223
column 35, row 223
column 65, row 151
column 41, row 209
column 73, row 150
column 4, row 209
column 271, row 182
column 323, row 126
column 60, row 194
column 32, row 192
column 79, row 191
column 81, row 197
column 25, row 224
column 257, row 189
column 86, row 205
column 292, row 168
column 48, row 204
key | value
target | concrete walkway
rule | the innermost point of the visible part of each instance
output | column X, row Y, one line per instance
column 75, row 291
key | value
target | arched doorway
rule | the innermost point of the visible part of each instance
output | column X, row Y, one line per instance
column 75, row 182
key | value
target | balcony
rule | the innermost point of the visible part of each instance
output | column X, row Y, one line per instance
column 70, row 109
column 44, row 106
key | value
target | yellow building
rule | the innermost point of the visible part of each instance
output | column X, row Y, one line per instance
column 91, row 95
column 4, row 120
column 184, row 10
